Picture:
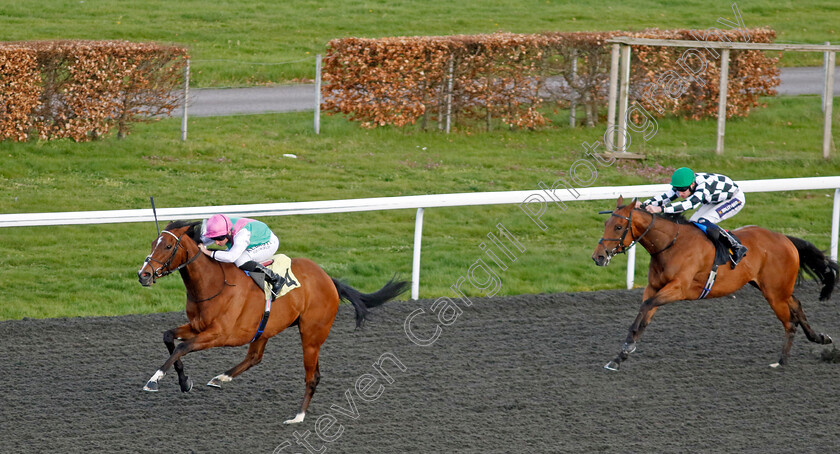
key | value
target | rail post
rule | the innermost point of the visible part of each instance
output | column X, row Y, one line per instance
column 186, row 101
column 415, row 263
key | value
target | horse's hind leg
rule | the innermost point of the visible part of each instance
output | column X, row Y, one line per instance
column 783, row 307
column 313, row 333
column 313, row 377
column 798, row 314
column 254, row 356
column 789, row 311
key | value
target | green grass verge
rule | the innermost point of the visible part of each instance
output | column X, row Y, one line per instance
column 232, row 42
column 90, row 270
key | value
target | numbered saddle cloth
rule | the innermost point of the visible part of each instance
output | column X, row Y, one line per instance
column 283, row 267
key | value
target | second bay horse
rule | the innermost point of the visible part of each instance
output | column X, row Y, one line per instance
column 224, row 308
column 681, row 260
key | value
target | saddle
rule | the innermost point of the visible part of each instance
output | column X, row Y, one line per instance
column 722, row 250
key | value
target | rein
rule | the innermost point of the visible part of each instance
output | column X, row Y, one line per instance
column 673, row 242
column 225, row 283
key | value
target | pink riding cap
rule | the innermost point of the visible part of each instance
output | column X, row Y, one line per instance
column 218, row 225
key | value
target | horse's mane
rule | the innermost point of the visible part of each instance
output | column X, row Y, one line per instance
column 677, row 218
column 192, row 231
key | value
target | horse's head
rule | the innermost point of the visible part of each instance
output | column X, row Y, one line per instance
column 616, row 228
column 169, row 251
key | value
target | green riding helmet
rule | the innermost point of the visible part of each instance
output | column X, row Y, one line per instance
column 682, row 177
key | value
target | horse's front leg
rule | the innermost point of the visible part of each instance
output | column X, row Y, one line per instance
column 651, row 301
column 183, row 332
column 201, row 341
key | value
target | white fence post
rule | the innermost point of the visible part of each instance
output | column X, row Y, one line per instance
column 825, row 77
column 573, row 100
column 186, row 101
column 415, row 263
column 631, row 266
column 623, row 96
column 724, row 84
column 828, row 103
column 835, row 224
column 318, row 94
column 450, row 79
column 613, row 94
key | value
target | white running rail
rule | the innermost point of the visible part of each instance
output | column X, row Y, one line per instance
column 418, row 202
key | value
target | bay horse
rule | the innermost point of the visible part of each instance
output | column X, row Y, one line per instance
column 681, row 258
column 224, row 308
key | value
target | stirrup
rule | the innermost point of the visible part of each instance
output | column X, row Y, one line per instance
column 277, row 286
column 736, row 255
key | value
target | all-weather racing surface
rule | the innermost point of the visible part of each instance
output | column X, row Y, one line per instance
column 515, row 374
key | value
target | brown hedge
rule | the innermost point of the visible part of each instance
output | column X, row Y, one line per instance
column 19, row 90
column 82, row 90
column 399, row 81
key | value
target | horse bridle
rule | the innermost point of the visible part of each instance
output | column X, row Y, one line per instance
column 163, row 269
column 629, row 228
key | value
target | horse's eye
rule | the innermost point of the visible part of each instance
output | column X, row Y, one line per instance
column 618, row 227
column 168, row 246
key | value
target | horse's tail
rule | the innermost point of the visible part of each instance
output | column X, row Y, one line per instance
column 364, row 301
column 816, row 265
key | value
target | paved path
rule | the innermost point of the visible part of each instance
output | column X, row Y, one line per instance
column 293, row 98
column 805, row 81
column 209, row 102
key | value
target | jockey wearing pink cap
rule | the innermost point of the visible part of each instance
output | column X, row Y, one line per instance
column 247, row 243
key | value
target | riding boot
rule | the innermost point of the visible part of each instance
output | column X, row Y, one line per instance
column 738, row 249
column 714, row 232
column 271, row 277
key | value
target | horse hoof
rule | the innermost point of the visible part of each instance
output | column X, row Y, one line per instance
column 186, row 387
column 298, row 418
column 151, row 386
column 776, row 366
column 826, row 339
column 612, row 365
column 217, row 381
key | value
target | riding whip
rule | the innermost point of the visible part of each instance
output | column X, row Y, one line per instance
column 152, row 198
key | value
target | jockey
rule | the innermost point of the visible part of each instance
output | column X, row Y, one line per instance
column 719, row 196
column 247, row 243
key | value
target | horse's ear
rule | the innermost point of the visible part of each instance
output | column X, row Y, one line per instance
column 194, row 232
column 620, row 201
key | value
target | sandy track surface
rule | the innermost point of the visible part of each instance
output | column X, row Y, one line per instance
column 518, row 374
